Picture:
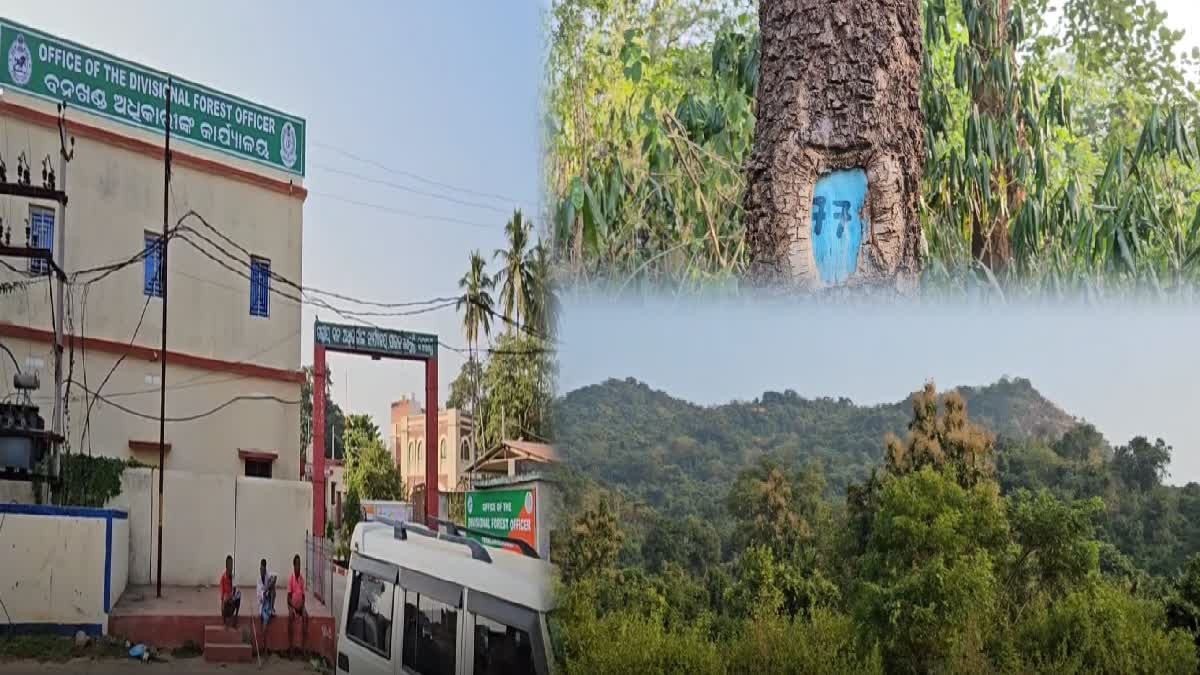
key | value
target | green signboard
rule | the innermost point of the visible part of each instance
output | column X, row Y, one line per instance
column 376, row 341
column 503, row 513
column 51, row 68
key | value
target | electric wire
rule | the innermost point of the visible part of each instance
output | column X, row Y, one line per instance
column 87, row 418
column 197, row 416
column 403, row 212
column 419, row 177
column 406, row 188
column 11, row 356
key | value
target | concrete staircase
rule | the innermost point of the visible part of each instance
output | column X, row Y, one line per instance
column 228, row 645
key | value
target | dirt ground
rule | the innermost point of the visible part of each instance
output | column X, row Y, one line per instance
column 272, row 666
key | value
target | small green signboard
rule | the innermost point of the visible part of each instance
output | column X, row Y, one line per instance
column 51, row 68
column 376, row 341
column 503, row 513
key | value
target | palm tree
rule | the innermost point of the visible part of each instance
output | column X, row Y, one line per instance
column 543, row 309
column 477, row 300
column 515, row 273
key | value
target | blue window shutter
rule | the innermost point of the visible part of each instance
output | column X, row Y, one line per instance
column 260, row 287
column 41, row 235
column 152, row 266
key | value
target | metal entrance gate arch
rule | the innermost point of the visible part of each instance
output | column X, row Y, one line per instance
column 378, row 343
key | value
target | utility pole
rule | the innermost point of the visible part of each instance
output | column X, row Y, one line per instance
column 162, row 350
column 60, row 402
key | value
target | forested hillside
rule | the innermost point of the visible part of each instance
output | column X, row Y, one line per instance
column 785, row 534
column 665, row 450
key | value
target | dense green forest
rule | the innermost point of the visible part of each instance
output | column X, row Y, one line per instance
column 1085, row 160
column 979, row 530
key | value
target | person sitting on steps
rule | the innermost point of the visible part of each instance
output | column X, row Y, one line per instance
column 266, row 593
column 231, row 597
column 296, row 610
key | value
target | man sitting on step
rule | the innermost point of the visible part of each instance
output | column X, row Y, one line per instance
column 296, row 610
column 266, row 593
column 231, row 597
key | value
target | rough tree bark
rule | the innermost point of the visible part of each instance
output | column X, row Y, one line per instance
column 839, row 89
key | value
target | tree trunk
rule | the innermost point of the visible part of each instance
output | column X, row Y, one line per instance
column 834, row 176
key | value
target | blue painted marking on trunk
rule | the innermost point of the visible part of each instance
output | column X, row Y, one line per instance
column 837, row 226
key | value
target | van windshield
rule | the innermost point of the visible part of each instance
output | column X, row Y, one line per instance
column 500, row 648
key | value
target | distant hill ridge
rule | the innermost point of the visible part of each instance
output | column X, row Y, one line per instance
column 626, row 433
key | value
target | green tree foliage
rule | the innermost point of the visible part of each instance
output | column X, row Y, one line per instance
column 334, row 417
column 1183, row 601
column 1102, row 629
column 508, row 394
column 515, row 277
column 626, row 641
column 681, row 457
column 929, row 583
column 476, row 301
column 352, row 515
column 592, row 544
column 1061, row 154
column 1082, row 444
column 518, row 379
column 651, row 116
column 953, row 553
column 1142, row 465
column 370, row 469
column 466, row 386
column 690, row 544
column 826, row 642
column 1058, row 551
column 361, row 430
column 90, row 481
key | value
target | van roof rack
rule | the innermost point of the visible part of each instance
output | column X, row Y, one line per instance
column 458, row 530
column 400, row 530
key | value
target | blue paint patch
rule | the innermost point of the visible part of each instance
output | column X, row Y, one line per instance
column 64, row 629
column 837, row 227
column 107, row 564
column 71, row 511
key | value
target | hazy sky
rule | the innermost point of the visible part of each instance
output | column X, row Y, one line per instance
column 446, row 90
column 1129, row 370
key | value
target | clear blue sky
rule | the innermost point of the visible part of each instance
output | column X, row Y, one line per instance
column 1130, row 370
column 447, row 90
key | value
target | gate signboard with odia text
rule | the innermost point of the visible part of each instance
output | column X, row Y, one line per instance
column 504, row 513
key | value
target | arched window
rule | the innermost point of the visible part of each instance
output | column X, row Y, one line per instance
column 465, row 452
column 442, row 449
column 412, row 453
column 420, row 451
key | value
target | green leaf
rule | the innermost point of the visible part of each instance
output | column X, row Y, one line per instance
column 577, row 193
column 595, row 211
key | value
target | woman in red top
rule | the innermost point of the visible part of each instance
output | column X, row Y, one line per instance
column 295, row 603
column 231, row 598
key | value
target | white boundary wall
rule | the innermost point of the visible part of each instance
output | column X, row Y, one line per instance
column 62, row 567
column 209, row 516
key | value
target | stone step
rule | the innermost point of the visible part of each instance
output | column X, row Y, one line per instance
column 219, row 634
column 228, row 653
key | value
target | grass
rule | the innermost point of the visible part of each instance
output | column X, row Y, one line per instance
column 56, row 648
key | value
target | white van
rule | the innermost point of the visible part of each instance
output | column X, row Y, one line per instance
column 438, row 603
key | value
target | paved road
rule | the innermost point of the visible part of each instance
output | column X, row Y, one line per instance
column 272, row 666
